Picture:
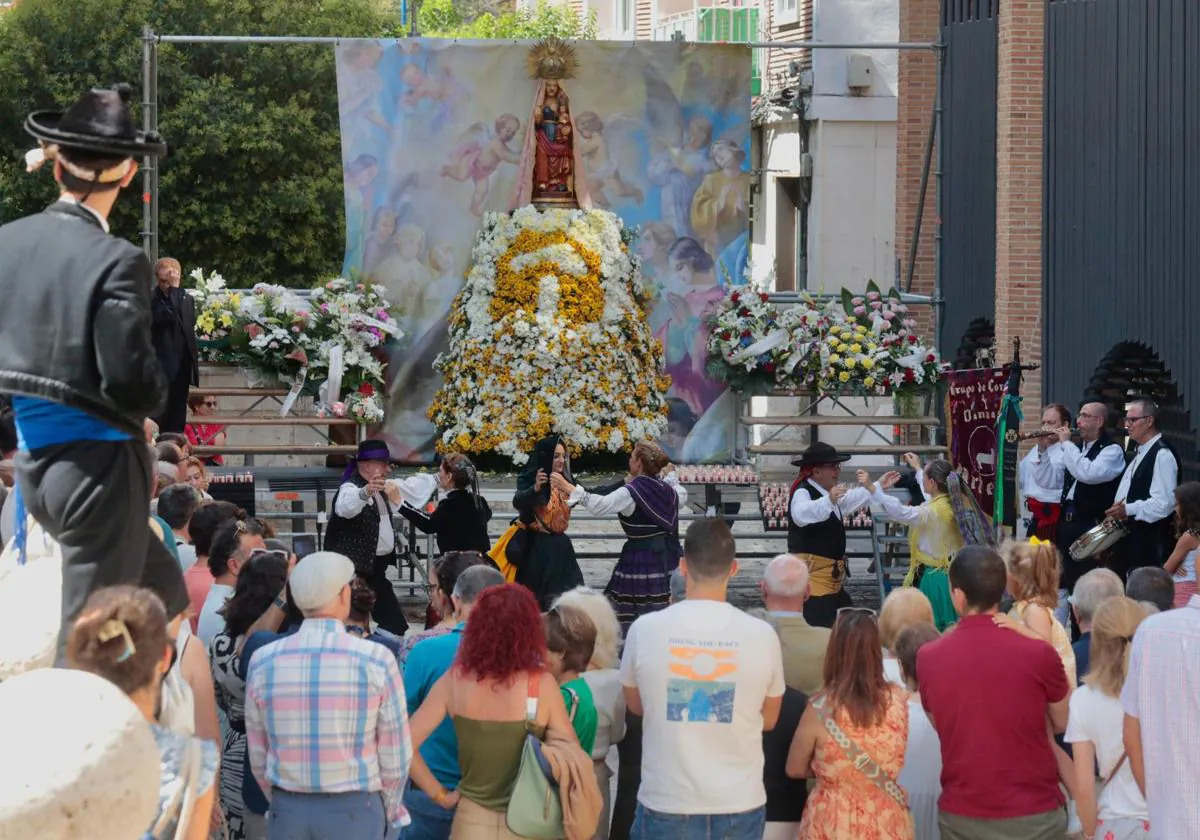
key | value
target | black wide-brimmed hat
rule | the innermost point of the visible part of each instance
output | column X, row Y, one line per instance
column 818, row 454
column 100, row 123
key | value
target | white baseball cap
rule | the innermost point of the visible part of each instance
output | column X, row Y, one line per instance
column 318, row 578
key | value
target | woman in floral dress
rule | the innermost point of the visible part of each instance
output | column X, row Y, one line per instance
column 258, row 585
column 870, row 717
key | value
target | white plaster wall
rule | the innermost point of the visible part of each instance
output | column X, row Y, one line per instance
column 852, row 216
column 851, row 222
column 855, row 21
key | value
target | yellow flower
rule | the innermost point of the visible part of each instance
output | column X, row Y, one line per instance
column 842, row 347
column 226, row 319
column 868, row 363
column 832, row 340
column 871, row 347
column 869, row 381
column 834, row 359
column 844, row 376
column 849, row 364
column 856, row 348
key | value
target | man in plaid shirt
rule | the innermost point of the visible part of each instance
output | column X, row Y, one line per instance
column 326, row 719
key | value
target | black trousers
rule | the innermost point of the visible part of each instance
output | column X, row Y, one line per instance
column 629, row 778
column 388, row 613
column 822, row 610
column 174, row 415
column 93, row 497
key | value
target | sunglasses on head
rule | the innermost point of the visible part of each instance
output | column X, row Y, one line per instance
column 856, row 611
column 267, row 552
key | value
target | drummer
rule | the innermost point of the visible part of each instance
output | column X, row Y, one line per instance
column 1146, row 494
column 1088, row 473
column 1043, row 497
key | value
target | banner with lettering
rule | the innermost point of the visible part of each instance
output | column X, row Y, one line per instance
column 973, row 400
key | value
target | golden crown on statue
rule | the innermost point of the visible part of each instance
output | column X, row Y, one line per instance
column 552, row 58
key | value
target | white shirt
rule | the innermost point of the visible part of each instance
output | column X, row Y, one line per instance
column 921, row 775
column 187, row 554
column 609, row 698
column 211, row 622
column 67, row 198
column 415, row 490
column 806, row 511
column 1163, row 692
column 1098, row 718
column 703, row 670
column 1045, row 486
column 620, row 500
column 1161, row 503
column 1068, row 457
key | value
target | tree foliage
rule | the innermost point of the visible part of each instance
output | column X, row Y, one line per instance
column 456, row 19
column 253, row 185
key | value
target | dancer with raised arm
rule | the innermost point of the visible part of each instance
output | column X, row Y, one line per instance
column 938, row 528
column 648, row 506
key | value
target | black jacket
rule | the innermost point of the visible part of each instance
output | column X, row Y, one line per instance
column 75, row 318
column 458, row 523
column 173, row 332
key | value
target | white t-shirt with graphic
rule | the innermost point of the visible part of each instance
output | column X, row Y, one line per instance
column 703, row 670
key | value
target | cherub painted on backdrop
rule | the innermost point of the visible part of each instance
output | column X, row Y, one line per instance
column 361, row 89
column 436, row 88
column 601, row 171
column 380, row 245
column 480, row 153
column 405, row 275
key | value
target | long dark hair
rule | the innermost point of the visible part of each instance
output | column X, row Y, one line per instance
column 1187, row 496
column 853, row 673
column 258, row 585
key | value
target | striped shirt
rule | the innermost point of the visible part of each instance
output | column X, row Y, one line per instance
column 325, row 713
column 1163, row 692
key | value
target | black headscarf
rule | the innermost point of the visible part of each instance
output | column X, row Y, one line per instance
column 543, row 459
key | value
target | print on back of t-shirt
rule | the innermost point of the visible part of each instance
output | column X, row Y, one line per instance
column 702, row 682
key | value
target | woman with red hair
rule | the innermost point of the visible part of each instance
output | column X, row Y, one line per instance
column 852, row 739
column 500, row 668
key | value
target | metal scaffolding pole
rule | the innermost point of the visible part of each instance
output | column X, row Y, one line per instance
column 150, row 162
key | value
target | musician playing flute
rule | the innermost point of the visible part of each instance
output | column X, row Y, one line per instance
column 1145, row 499
column 361, row 526
column 816, row 532
column 1043, row 494
column 1088, row 473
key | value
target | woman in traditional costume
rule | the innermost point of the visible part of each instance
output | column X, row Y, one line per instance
column 536, row 551
column 938, row 528
column 648, row 508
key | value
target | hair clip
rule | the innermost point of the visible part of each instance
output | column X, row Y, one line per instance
column 113, row 628
column 1036, row 541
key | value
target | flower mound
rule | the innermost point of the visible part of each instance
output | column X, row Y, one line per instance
column 550, row 335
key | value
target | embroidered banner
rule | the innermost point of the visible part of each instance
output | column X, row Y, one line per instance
column 973, row 399
column 432, row 134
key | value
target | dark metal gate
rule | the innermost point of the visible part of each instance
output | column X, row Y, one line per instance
column 1122, row 188
column 969, row 30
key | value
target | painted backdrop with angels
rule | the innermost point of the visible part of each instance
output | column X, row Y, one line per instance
column 432, row 132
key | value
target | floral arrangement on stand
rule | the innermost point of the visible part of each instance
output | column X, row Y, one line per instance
column 550, row 334
column 279, row 337
column 861, row 344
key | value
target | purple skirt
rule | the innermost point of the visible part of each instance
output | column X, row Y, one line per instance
column 641, row 581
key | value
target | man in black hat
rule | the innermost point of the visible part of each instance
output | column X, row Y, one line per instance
column 361, row 526
column 76, row 355
column 816, row 532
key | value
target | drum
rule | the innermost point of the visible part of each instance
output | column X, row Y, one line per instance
column 1104, row 536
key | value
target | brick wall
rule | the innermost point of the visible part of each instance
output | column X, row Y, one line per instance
column 919, row 22
column 1019, row 190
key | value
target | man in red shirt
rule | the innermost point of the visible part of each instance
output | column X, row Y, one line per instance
column 989, row 692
